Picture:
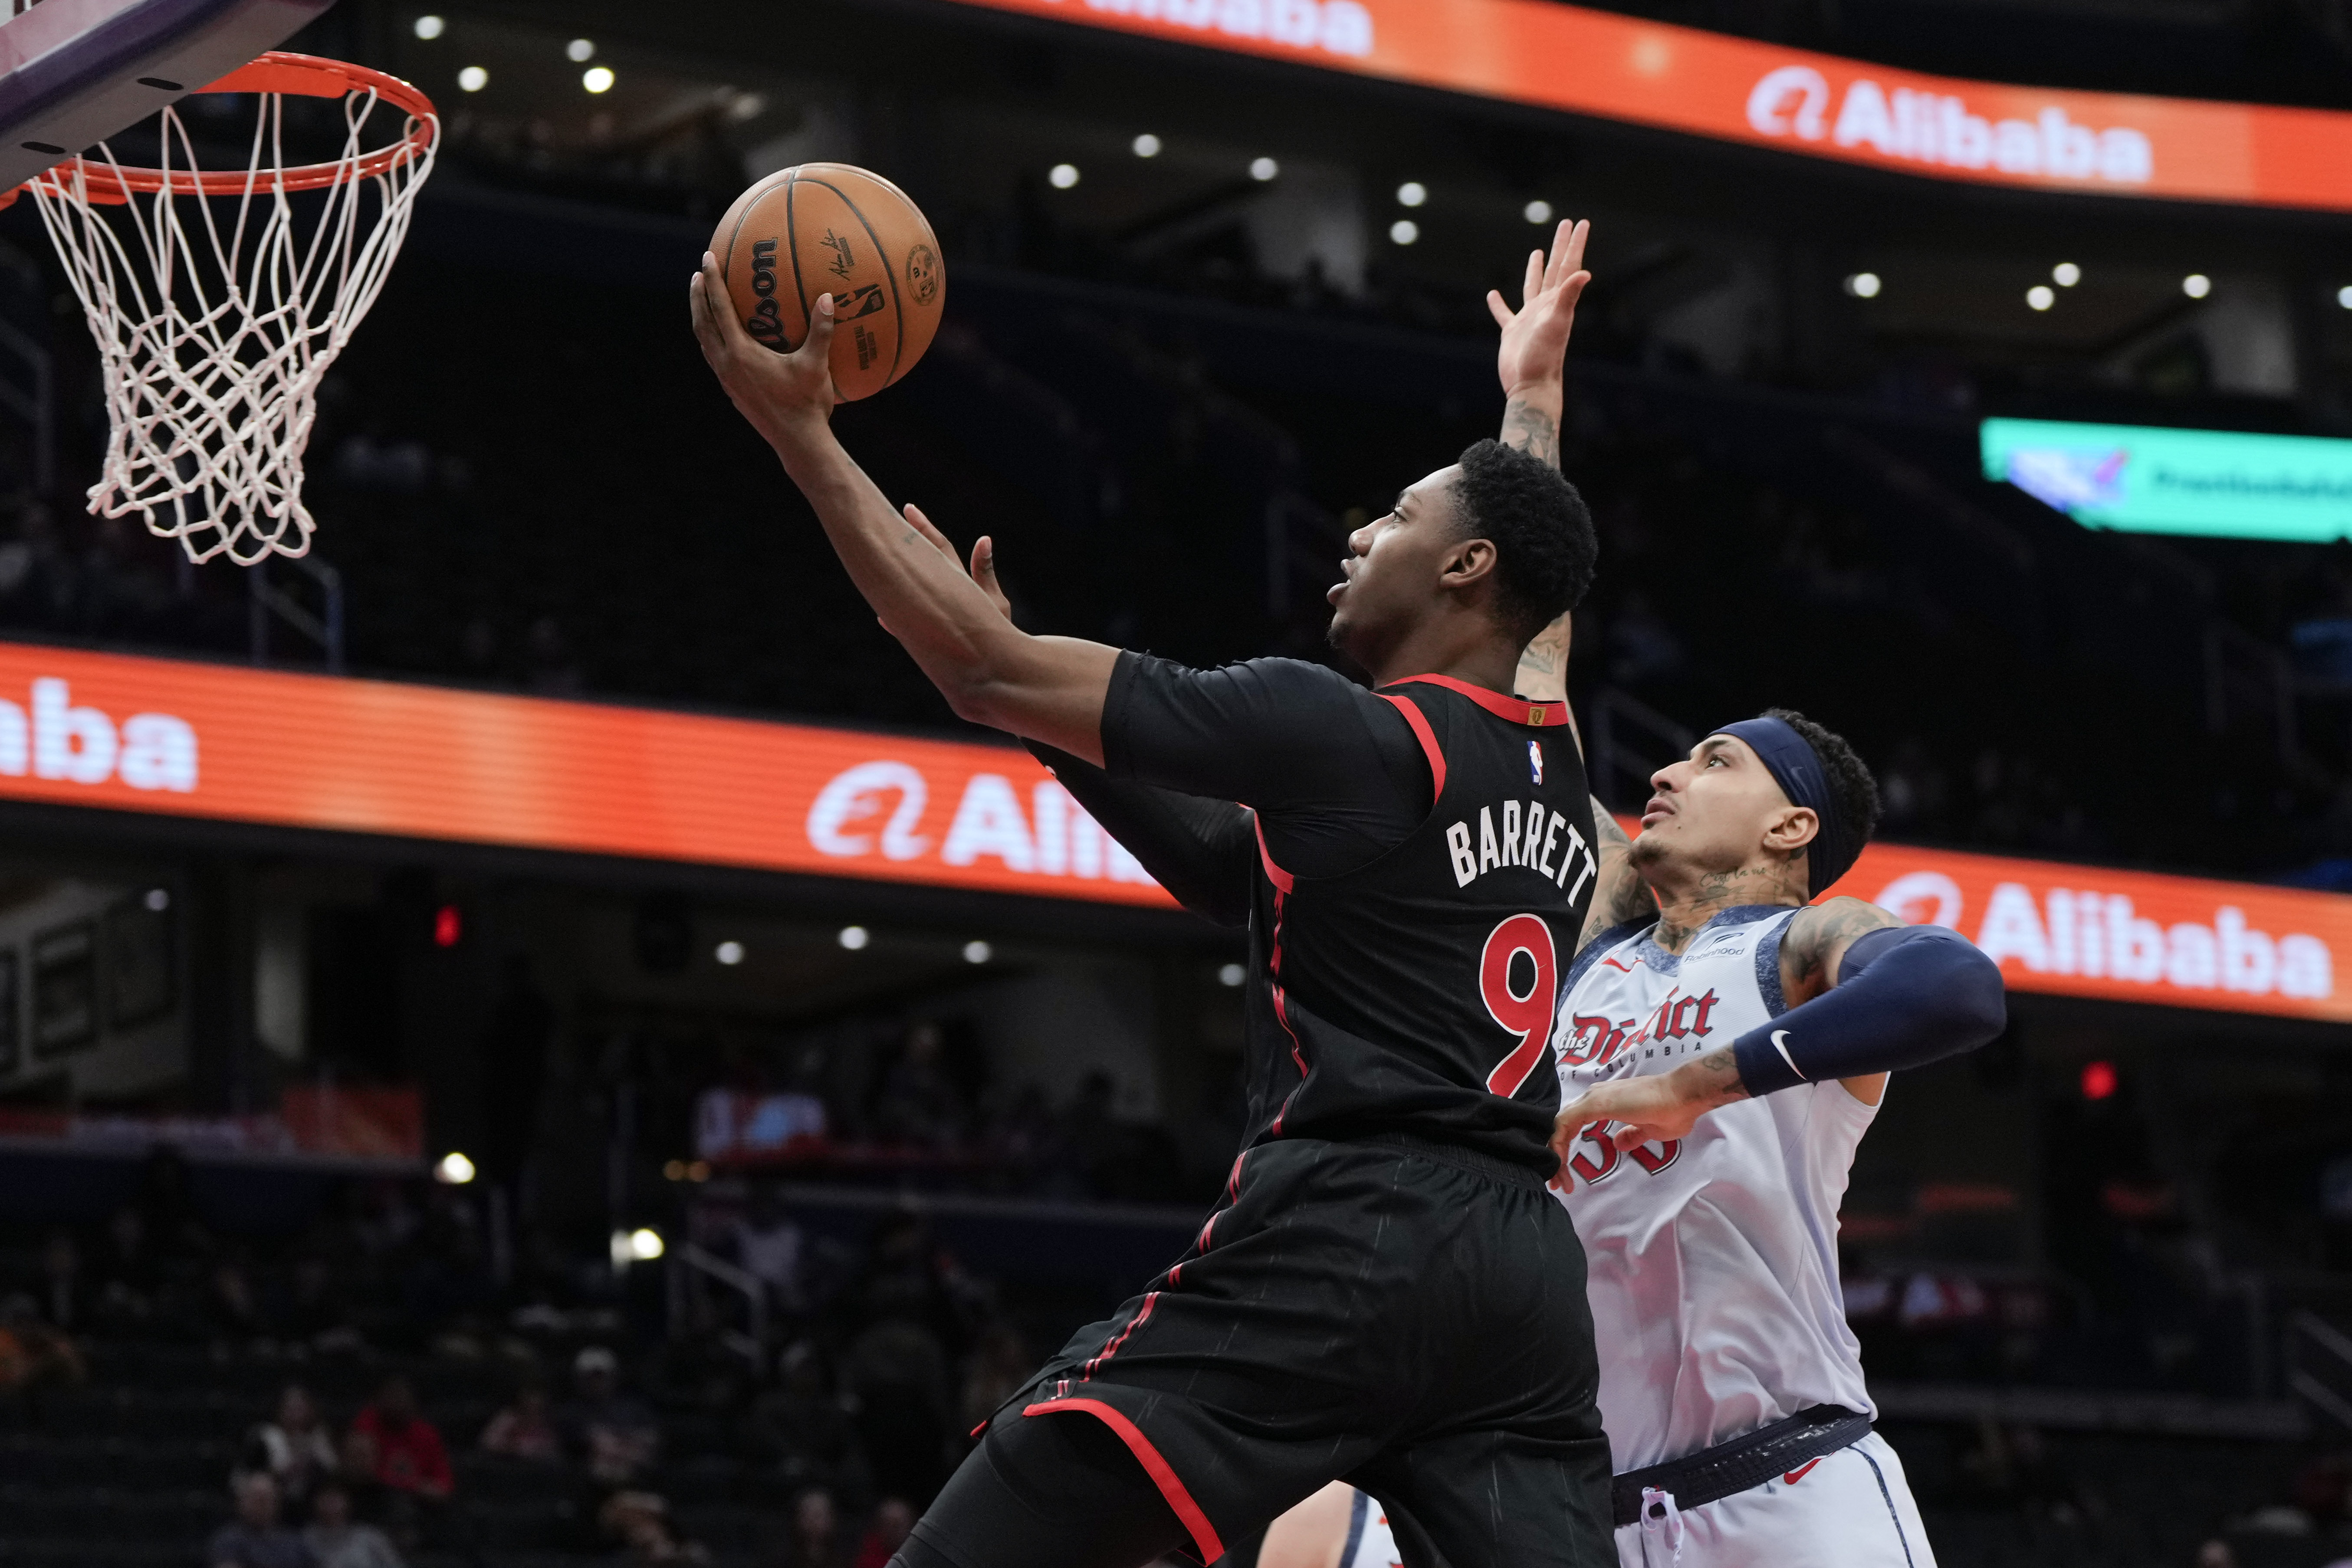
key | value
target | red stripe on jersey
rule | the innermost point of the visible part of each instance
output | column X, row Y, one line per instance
column 1164, row 1475
column 1429, row 748
column 1150, row 1299
column 1274, row 873
column 1517, row 710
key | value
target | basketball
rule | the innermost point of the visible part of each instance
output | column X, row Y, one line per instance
column 819, row 228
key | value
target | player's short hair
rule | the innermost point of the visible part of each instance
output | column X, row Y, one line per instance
column 1541, row 531
column 1849, row 777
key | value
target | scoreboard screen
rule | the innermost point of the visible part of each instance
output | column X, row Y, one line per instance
column 2140, row 478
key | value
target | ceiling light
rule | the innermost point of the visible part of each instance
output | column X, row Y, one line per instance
column 978, row 952
column 1864, row 285
column 2066, row 275
column 1537, row 211
column 730, row 954
column 2041, row 297
column 645, row 1244
column 853, row 937
column 1404, row 231
column 2197, row 285
column 1411, row 194
column 473, row 78
column 1146, row 146
column 1263, row 169
column 1231, row 975
column 158, row 899
column 1062, row 176
column 2344, row 296
column 430, row 28
column 580, row 51
column 597, row 78
column 454, row 1169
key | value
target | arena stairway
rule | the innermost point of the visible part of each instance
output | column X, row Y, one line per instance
column 131, row 1469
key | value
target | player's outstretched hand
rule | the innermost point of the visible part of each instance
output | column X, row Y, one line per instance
column 983, row 558
column 1534, row 336
column 783, row 395
column 1657, row 1108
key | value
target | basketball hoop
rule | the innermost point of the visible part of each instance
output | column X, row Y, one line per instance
column 218, row 306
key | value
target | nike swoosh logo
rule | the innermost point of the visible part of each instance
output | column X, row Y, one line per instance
column 1780, row 1044
column 1801, row 1472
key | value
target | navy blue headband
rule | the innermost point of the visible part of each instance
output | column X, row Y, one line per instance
column 1794, row 765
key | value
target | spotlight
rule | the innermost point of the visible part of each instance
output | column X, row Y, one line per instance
column 2041, row 297
column 430, row 28
column 1537, row 211
column 699, row 1172
column 2099, row 1080
column 1263, row 169
column 978, row 952
column 853, row 937
column 730, row 954
column 580, row 51
column 2344, row 296
column 1404, row 231
column 2197, row 285
column 453, row 1170
column 2066, row 275
column 674, row 1170
column 645, row 1244
column 597, row 78
column 157, row 900
column 1146, row 146
column 1411, row 194
column 473, row 78
column 1864, row 285
column 1231, row 975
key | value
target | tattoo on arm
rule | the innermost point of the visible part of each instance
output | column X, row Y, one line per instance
column 1620, row 898
column 1531, row 430
column 1721, row 1071
column 1819, row 932
column 1543, row 665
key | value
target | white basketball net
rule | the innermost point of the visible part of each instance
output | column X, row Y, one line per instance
column 216, row 318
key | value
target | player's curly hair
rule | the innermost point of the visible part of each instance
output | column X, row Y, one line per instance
column 1849, row 776
column 1541, row 531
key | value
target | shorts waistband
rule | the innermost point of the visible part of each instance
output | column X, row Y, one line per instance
column 1462, row 1157
column 1749, row 1460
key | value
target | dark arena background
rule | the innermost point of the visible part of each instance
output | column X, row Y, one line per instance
column 568, row 981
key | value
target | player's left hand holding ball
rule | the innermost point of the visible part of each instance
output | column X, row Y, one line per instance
column 783, row 395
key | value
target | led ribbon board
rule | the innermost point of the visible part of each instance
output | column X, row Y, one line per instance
column 1734, row 90
column 219, row 742
column 2144, row 480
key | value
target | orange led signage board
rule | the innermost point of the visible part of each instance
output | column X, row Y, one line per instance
column 1736, row 90
column 235, row 744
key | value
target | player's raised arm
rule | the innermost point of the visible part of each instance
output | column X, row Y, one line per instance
column 992, row 672
column 1532, row 357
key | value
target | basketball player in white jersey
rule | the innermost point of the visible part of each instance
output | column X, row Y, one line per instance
column 1723, row 1048
column 1339, row 1527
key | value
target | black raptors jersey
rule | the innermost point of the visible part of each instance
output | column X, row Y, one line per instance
column 1414, row 995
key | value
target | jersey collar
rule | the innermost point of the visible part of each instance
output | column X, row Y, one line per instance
column 1517, row 710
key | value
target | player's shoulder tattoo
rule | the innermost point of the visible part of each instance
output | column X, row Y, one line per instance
column 1820, row 931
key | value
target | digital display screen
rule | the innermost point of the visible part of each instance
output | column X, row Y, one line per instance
column 2141, row 478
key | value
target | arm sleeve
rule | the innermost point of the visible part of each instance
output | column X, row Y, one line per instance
column 1906, row 995
column 1198, row 849
column 1333, row 771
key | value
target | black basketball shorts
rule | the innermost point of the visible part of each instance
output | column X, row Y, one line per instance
column 1407, row 1317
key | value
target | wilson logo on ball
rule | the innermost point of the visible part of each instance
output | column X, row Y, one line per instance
column 764, row 322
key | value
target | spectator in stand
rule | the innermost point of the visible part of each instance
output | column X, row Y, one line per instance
column 232, row 1309
column 408, row 1457
column 614, row 1435
column 894, row 1520
column 524, row 1429
column 293, row 1449
column 131, row 1275
column 335, row 1541
column 816, row 1533
column 999, row 1365
column 639, row 1524
column 769, row 1246
column 254, row 1538
column 919, row 1106
column 900, row 1372
column 34, row 1357
column 803, row 1428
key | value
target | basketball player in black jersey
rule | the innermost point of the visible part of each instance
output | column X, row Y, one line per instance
column 1388, row 1292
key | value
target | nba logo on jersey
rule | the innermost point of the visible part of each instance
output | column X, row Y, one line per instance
column 1535, row 759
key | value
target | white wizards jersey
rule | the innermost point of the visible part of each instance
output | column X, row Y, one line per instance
column 1712, row 1261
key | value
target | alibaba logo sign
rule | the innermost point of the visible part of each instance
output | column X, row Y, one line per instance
column 53, row 738
column 879, row 809
column 1939, row 129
